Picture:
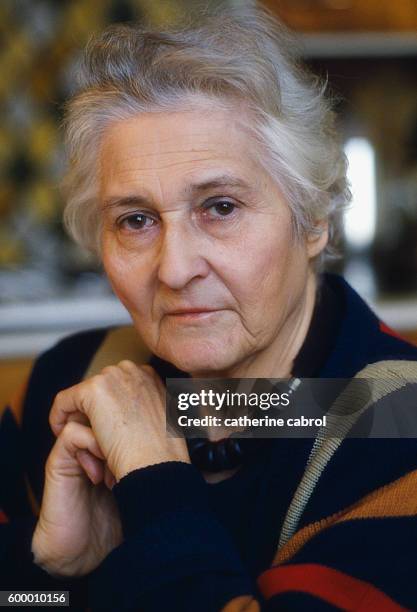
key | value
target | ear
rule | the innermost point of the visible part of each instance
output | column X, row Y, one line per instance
column 316, row 241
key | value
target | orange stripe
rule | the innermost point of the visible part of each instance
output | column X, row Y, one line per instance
column 244, row 603
column 393, row 500
column 17, row 401
column 332, row 586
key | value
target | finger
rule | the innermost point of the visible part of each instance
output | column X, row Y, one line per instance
column 130, row 367
column 76, row 437
column 160, row 384
column 109, row 479
column 155, row 376
column 64, row 461
column 149, row 370
column 150, row 374
column 66, row 404
column 76, row 417
column 93, row 467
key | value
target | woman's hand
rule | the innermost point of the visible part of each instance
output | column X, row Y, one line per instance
column 106, row 427
column 78, row 524
column 125, row 407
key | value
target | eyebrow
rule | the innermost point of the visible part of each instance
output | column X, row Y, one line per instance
column 223, row 180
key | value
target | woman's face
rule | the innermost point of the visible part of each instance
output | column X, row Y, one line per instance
column 192, row 222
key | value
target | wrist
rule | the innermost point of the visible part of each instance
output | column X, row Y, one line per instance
column 132, row 465
column 171, row 487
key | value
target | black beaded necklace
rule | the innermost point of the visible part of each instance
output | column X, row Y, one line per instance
column 221, row 455
column 228, row 453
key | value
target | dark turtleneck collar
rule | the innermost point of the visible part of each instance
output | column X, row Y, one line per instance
column 322, row 333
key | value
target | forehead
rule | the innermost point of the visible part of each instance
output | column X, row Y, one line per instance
column 179, row 145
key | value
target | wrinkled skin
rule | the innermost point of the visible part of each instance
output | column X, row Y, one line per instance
column 167, row 245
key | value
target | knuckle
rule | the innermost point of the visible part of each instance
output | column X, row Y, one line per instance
column 127, row 364
column 59, row 396
column 69, row 430
column 51, row 417
column 96, row 382
column 109, row 369
column 55, row 410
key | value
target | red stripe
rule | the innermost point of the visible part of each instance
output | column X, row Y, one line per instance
column 3, row 517
column 387, row 330
column 329, row 584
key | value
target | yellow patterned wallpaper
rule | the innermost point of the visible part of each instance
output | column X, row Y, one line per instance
column 40, row 43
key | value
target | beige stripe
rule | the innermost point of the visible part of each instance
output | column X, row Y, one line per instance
column 119, row 344
column 389, row 376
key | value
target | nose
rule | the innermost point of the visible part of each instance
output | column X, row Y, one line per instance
column 181, row 257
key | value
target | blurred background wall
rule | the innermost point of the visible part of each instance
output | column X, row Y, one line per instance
column 368, row 52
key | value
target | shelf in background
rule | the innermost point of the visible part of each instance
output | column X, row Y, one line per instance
column 29, row 328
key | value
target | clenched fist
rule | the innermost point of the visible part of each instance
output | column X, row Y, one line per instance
column 106, row 427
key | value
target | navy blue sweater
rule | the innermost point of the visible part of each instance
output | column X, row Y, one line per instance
column 189, row 545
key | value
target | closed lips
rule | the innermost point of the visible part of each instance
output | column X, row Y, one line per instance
column 192, row 311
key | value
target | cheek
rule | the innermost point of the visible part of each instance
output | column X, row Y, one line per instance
column 265, row 261
column 125, row 278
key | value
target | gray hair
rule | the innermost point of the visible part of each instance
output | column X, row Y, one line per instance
column 228, row 57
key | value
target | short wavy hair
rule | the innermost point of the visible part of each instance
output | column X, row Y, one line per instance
column 228, row 56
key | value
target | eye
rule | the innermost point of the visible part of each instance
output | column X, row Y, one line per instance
column 136, row 221
column 219, row 208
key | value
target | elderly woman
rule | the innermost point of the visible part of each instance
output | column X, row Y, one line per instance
column 206, row 173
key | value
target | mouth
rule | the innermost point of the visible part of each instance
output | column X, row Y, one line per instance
column 193, row 314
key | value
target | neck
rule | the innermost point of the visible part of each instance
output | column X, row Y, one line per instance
column 276, row 360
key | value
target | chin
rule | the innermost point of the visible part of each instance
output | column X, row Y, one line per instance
column 199, row 357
